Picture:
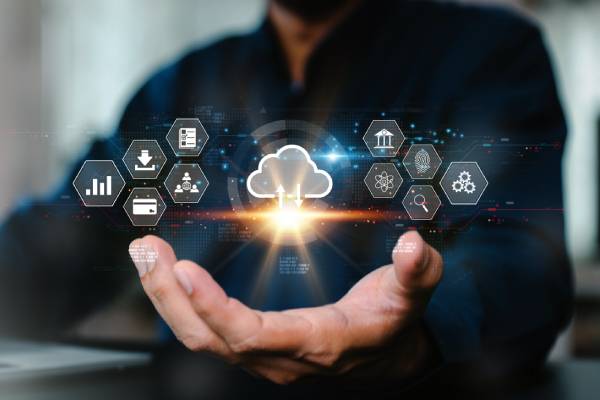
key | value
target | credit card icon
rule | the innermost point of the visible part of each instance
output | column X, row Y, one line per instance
column 145, row 206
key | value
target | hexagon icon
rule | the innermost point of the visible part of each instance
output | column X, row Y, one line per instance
column 186, row 183
column 421, row 202
column 144, row 206
column 99, row 183
column 144, row 159
column 463, row 183
column 187, row 137
column 422, row 161
column 383, row 138
column 383, row 180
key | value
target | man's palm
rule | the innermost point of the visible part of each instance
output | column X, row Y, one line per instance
column 378, row 316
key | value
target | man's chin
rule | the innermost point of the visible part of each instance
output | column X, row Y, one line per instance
column 312, row 10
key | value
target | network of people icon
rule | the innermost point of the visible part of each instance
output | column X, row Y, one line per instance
column 99, row 182
column 186, row 185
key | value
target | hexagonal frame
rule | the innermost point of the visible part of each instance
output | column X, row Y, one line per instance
column 116, row 197
column 158, row 196
column 432, row 175
column 161, row 152
column 436, row 209
column 397, row 187
column 201, row 147
column 399, row 130
column 480, row 194
column 201, row 194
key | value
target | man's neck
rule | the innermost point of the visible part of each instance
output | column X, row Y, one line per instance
column 299, row 37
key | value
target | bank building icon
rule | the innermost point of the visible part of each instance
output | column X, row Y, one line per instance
column 384, row 139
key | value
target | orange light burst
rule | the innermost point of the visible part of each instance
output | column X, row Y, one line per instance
column 294, row 225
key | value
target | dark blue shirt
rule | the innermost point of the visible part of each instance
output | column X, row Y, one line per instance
column 483, row 72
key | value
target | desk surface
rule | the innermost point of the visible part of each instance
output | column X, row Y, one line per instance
column 175, row 374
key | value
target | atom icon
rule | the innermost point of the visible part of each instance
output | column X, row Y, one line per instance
column 384, row 181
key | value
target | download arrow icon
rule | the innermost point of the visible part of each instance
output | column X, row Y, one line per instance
column 145, row 157
column 298, row 200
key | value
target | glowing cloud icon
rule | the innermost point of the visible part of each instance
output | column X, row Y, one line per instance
column 289, row 173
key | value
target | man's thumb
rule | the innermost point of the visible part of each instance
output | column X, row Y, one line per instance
column 417, row 266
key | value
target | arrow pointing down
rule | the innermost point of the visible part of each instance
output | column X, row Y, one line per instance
column 145, row 158
column 298, row 200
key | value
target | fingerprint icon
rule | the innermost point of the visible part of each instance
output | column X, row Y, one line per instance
column 422, row 161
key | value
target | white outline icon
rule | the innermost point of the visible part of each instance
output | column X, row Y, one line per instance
column 419, row 199
column 410, row 161
column 150, row 208
column 144, row 158
column 190, row 192
column 463, row 179
column 384, row 136
column 383, row 130
column 279, row 192
column 391, row 182
column 105, row 189
column 180, row 135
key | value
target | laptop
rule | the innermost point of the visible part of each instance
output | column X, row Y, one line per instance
column 20, row 359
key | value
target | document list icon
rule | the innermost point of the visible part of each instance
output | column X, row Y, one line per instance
column 187, row 138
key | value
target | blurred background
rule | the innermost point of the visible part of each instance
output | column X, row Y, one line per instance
column 68, row 67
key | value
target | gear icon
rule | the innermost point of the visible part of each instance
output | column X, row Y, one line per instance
column 457, row 186
column 464, row 183
column 469, row 187
column 464, row 177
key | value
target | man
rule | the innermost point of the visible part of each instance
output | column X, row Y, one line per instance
column 505, row 290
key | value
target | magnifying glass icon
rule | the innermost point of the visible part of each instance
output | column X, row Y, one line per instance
column 420, row 200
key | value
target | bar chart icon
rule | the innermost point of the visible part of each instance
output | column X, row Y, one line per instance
column 105, row 188
column 99, row 183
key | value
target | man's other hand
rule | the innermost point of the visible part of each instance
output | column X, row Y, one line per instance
column 375, row 330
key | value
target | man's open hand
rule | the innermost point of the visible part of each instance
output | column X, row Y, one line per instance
column 374, row 330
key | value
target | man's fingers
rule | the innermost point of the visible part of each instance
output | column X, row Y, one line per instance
column 245, row 330
column 417, row 266
column 154, row 259
column 281, row 370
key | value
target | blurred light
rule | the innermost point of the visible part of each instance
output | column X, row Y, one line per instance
column 288, row 219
